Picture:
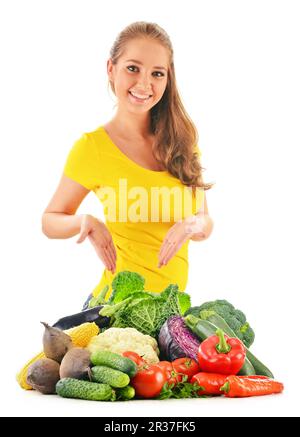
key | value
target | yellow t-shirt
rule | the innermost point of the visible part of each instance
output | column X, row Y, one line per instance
column 140, row 206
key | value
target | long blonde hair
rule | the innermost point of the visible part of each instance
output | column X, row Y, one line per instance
column 175, row 134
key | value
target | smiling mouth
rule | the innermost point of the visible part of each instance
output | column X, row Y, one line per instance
column 138, row 99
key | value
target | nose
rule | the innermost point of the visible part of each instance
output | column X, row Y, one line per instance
column 144, row 84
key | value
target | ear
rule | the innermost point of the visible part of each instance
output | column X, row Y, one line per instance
column 110, row 69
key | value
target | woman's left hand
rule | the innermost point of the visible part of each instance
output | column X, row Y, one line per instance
column 177, row 235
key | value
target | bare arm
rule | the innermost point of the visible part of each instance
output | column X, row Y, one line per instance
column 59, row 219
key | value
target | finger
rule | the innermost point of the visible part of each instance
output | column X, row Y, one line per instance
column 174, row 249
column 163, row 253
column 110, row 248
column 113, row 250
column 108, row 263
column 107, row 255
column 101, row 252
column 82, row 237
column 110, row 257
column 166, row 243
column 172, row 252
column 167, row 237
column 171, row 249
column 166, row 252
column 172, row 233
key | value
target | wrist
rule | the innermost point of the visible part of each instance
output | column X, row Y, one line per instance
column 195, row 226
column 91, row 218
column 205, row 227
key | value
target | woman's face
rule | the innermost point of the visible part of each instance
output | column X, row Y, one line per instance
column 137, row 71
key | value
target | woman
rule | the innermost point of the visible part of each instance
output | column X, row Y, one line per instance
column 147, row 151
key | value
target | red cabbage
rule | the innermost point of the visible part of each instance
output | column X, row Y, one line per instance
column 175, row 340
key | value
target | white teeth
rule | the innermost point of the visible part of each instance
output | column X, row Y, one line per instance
column 139, row 96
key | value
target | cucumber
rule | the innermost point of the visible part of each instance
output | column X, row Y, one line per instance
column 259, row 367
column 247, row 368
column 204, row 329
column 125, row 393
column 115, row 361
column 106, row 375
column 75, row 388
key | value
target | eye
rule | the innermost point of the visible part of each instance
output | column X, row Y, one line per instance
column 133, row 66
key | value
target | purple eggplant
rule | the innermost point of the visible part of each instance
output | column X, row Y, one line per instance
column 89, row 315
column 176, row 340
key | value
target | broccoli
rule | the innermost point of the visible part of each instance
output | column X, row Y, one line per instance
column 236, row 319
column 124, row 284
column 248, row 334
column 195, row 311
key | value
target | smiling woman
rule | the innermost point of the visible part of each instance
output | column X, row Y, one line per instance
column 144, row 166
column 141, row 74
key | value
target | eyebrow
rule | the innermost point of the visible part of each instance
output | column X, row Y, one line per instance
column 140, row 63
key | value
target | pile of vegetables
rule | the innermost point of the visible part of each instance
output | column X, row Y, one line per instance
column 140, row 344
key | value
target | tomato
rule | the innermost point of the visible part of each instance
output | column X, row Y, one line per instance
column 134, row 357
column 186, row 366
column 170, row 374
column 148, row 382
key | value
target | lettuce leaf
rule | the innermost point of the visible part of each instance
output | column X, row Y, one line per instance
column 148, row 315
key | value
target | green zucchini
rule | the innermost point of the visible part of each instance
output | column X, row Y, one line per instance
column 259, row 367
column 114, row 361
column 106, row 375
column 75, row 388
column 204, row 329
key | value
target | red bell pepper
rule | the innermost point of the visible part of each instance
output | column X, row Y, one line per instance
column 221, row 354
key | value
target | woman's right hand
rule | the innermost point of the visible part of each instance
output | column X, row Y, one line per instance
column 101, row 239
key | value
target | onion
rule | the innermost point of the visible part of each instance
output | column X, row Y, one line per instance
column 175, row 340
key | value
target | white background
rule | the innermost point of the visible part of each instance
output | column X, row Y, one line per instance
column 237, row 67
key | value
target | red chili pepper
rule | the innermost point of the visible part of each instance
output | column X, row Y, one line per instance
column 221, row 354
column 239, row 387
column 212, row 382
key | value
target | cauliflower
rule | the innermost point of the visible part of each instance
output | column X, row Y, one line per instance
column 120, row 340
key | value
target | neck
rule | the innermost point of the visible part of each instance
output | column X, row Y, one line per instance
column 132, row 125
